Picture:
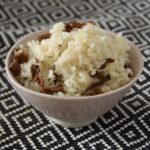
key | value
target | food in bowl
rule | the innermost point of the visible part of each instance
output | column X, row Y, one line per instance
column 73, row 59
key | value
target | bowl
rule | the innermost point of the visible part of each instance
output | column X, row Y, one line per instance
column 74, row 111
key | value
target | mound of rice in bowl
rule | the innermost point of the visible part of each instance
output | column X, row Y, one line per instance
column 73, row 59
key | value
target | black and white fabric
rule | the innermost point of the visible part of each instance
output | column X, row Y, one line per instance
column 126, row 126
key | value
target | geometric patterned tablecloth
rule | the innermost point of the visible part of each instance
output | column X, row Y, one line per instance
column 126, row 126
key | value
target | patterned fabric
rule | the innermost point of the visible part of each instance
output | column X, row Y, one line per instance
column 126, row 126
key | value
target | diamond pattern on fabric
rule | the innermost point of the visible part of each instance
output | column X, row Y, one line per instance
column 126, row 126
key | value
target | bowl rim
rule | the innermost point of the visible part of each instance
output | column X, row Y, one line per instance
column 17, row 84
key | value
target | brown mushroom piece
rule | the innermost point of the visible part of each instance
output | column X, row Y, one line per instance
column 21, row 55
column 43, row 36
column 52, row 90
column 15, row 68
column 74, row 24
column 130, row 75
column 98, row 75
column 94, row 91
column 36, row 75
column 127, row 66
column 58, row 78
column 95, row 87
column 108, row 61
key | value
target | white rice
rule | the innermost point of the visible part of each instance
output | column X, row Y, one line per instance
column 75, row 55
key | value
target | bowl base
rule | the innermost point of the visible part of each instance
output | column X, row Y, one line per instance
column 72, row 124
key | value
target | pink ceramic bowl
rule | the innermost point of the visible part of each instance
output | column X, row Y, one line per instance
column 74, row 111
